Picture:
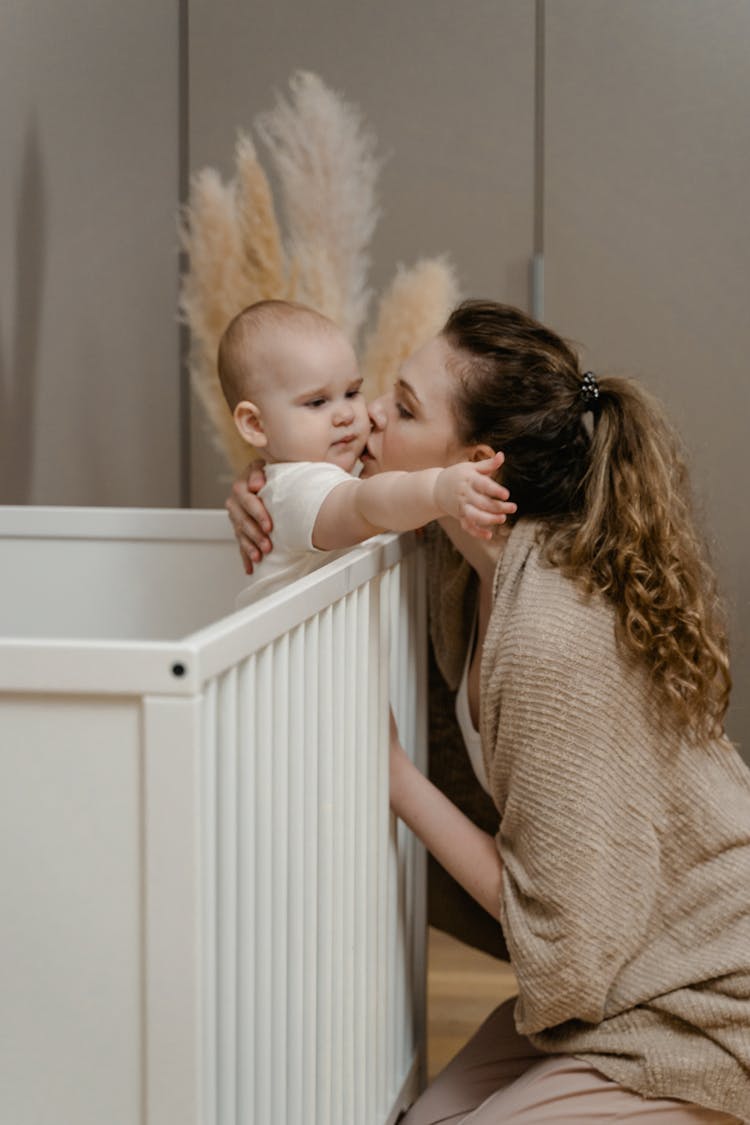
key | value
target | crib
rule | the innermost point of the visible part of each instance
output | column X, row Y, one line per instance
column 209, row 916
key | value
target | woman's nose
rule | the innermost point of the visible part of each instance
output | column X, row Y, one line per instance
column 377, row 412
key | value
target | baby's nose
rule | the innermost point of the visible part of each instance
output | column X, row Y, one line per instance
column 344, row 413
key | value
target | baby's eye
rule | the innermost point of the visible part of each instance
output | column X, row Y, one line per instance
column 403, row 412
column 353, row 394
column 315, row 402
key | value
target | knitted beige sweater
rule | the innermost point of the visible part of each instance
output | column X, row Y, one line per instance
column 626, row 852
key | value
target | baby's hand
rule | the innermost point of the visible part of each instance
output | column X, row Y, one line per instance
column 468, row 492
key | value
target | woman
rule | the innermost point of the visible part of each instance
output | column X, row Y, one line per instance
column 590, row 661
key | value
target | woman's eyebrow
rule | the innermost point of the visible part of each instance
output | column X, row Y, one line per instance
column 409, row 390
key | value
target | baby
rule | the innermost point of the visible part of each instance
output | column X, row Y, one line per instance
column 290, row 378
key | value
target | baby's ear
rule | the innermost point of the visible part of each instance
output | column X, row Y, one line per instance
column 482, row 453
column 248, row 421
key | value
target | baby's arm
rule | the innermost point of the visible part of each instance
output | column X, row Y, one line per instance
column 401, row 501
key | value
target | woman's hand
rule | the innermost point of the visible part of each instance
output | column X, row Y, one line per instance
column 248, row 516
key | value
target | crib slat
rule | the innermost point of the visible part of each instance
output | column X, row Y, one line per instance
column 348, row 852
column 294, row 921
column 227, row 896
column 338, row 612
column 264, row 1108
column 309, row 846
column 409, row 849
column 247, row 919
column 278, row 845
column 210, row 913
column 361, row 936
column 387, row 829
column 399, row 670
column 325, row 1060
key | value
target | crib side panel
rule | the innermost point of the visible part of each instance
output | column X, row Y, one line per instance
column 70, row 887
column 312, row 895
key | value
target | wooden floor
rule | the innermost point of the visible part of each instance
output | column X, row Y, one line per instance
column 463, row 986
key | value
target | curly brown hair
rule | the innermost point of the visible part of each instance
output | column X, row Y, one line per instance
column 613, row 490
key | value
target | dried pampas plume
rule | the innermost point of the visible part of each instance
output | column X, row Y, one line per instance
column 260, row 236
column 325, row 162
column 324, row 159
column 412, row 310
column 233, row 243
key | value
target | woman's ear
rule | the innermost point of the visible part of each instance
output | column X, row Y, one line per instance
column 248, row 421
column 482, row 453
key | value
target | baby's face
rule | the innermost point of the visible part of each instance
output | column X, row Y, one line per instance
column 312, row 406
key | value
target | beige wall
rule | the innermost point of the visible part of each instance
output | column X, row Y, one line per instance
column 88, row 343
column 647, row 239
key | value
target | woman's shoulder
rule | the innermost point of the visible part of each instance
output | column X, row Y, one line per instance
column 547, row 611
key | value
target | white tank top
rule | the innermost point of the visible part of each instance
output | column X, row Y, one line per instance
column 470, row 734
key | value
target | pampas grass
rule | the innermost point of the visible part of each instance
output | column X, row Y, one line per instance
column 325, row 162
column 215, row 288
column 260, row 237
column 232, row 238
column 412, row 310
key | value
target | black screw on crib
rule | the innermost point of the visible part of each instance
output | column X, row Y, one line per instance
column 178, row 669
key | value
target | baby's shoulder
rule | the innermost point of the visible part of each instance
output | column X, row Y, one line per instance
column 304, row 471
column 293, row 494
column 301, row 479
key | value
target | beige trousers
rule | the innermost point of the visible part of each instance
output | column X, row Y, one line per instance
column 500, row 1077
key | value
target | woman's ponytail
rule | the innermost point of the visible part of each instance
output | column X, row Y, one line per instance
column 635, row 540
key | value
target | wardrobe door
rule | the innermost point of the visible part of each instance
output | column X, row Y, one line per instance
column 89, row 356
column 448, row 90
column 647, row 239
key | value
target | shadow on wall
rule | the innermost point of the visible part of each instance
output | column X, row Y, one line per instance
column 19, row 375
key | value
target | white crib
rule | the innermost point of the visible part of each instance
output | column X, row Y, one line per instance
column 209, row 916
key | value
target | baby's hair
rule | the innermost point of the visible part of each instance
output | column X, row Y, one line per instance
column 237, row 355
column 613, row 492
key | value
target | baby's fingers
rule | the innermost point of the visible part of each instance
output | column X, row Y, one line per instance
column 475, row 530
column 479, row 522
column 490, row 464
column 489, row 487
column 487, row 503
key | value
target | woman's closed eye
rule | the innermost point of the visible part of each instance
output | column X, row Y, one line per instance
column 403, row 412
